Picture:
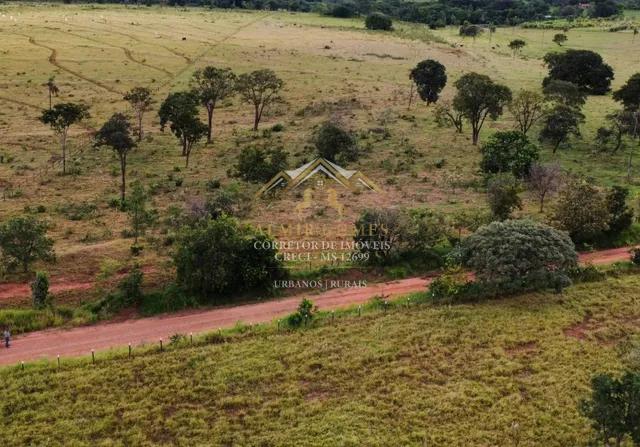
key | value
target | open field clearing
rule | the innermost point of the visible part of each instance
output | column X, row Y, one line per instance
column 483, row 374
column 97, row 53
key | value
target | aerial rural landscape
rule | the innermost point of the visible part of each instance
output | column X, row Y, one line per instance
column 310, row 223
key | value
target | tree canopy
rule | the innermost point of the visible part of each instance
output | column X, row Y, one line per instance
column 584, row 68
column 430, row 77
column 478, row 97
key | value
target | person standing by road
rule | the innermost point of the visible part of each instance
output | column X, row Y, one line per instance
column 7, row 337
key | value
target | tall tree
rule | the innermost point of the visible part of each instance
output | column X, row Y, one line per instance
column 430, row 78
column 584, row 68
column 140, row 217
column 559, row 124
column 260, row 88
column 212, row 86
column 52, row 88
column 140, row 99
column 179, row 110
column 478, row 97
column 60, row 118
column 116, row 133
column 527, row 108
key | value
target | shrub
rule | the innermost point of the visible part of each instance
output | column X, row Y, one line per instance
column 221, row 256
column 303, row 315
column 379, row 235
column 40, row 290
column 259, row 165
column 614, row 408
column 378, row 21
column 518, row 255
column 508, row 151
column 635, row 256
column 502, row 195
column 131, row 286
column 335, row 143
column 582, row 211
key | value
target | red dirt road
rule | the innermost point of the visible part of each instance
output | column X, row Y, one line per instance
column 81, row 340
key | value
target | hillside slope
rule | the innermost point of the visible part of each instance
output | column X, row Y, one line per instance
column 424, row 375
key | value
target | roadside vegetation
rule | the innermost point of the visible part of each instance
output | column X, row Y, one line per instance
column 332, row 378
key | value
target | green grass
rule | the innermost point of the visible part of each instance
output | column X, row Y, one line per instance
column 419, row 375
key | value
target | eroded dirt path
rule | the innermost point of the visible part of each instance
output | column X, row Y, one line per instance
column 81, row 340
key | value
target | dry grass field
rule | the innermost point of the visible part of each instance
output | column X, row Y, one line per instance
column 331, row 67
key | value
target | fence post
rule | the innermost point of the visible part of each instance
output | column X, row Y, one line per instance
column 333, row 316
column 93, row 357
column 191, row 337
column 161, row 349
column 22, row 363
column 58, row 361
column 129, row 350
column 359, row 310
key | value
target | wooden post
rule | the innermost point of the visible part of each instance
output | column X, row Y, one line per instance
column 129, row 350
column 191, row 337
column 93, row 357
column 161, row 349
column 58, row 361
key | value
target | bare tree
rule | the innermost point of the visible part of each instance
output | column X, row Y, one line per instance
column 544, row 181
column 140, row 100
column 527, row 107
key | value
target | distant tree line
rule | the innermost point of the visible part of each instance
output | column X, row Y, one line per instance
column 434, row 13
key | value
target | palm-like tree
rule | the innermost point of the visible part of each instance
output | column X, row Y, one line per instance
column 53, row 89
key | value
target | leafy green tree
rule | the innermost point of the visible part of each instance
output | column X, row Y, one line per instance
column 621, row 216
column 559, row 124
column 140, row 217
column 378, row 21
column 584, row 68
column 40, row 290
column 140, row 99
column 335, row 143
column 212, row 86
column 559, row 38
column 259, row 165
column 629, row 93
column 23, row 240
column 60, row 118
column 430, row 77
column 116, row 133
column 180, row 110
column 221, row 257
column 565, row 93
column 516, row 46
column 503, row 195
column 508, row 151
column 604, row 8
column 614, row 408
column 527, row 108
column 518, row 254
column 582, row 211
column 261, row 88
column 478, row 97
column 52, row 89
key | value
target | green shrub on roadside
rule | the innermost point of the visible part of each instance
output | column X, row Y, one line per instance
column 303, row 315
column 40, row 290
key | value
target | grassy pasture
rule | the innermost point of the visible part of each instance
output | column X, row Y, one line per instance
column 97, row 52
column 506, row 372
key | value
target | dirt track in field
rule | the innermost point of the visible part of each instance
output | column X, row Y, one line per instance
column 81, row 340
